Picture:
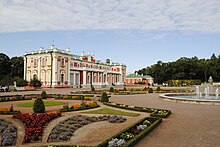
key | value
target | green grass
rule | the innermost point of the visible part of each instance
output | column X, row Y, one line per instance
column 46, row 103
column 112, row 112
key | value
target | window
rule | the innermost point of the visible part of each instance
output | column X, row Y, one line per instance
column 62, row 62
column 62, row 78
column 35, row 62
column 43, row 61
column 34, row 76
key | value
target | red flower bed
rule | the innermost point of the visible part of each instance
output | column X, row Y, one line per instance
column 34, row 124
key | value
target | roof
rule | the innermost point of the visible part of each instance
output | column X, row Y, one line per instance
column 138, row 76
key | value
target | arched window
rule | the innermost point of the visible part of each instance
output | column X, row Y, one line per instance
column 62, row 76
column 35, row 62
column 43, row 61
column 34, row 76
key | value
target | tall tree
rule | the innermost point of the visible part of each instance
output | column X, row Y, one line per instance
column 17, row 67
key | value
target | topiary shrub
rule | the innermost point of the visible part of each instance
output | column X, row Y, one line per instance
column 111, row 89
column 124, row 89
column 39, row 106
column 104, row 97
column 150, row 90
column 92, row 89
column 158, row 89
column 43, row 95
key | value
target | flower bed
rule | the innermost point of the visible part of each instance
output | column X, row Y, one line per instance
column 65, row 129
column 76, row 97
column 8, row 133
column 8, row 111
column 77, row 107
column 34, row 124
column 7, row 98
column 153, row 112
column 133, row 134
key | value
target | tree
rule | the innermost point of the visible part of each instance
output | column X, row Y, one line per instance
column 43, row 95
column 39, row 106
column 5, row 67
column 104, row 97
column 21, row 82
column 17, row 67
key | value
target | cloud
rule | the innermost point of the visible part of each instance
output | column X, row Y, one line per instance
column 147, row 15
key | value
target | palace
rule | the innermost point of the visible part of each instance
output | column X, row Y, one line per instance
column 57, row 68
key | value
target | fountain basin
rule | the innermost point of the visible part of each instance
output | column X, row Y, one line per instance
column 190, row 98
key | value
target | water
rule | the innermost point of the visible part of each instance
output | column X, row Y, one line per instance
column 206, row 95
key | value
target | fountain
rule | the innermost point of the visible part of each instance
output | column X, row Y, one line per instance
column 203, row 94
column 216, row 93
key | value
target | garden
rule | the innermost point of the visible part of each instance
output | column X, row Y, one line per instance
column 62, row 126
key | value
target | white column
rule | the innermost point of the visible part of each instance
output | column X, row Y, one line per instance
column 54, row 70
column 68, row 71
column 74, row 78
column 84, row 77
column 25, row 68
column 38, row 69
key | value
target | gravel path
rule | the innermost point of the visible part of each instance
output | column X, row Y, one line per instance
column 188, row 125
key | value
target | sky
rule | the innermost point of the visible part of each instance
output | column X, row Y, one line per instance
column 137, row 33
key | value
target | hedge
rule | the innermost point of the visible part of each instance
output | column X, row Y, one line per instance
column 153, row 111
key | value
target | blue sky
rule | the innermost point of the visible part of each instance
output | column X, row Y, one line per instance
column 135, row 32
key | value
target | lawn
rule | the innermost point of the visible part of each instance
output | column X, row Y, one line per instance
column 46, row 103
column 112, row 112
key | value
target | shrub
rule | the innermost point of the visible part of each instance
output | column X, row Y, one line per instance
column 43, row 95
column 111, row 89
column 158, row 88
column 21, row 82
column 150, row 90
column 124, row 89
column 39, row 106
column 92, row 89
column 35, row 82
column 81, row 97
column 104, row 97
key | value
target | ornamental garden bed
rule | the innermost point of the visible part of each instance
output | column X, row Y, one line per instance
column 66, row 128
column 7, row 98
column 131, row 135
column 8, row 111
column 34, row 124
column 8, row 133
column 153, row 111
column 87, row 97
column 77, row 107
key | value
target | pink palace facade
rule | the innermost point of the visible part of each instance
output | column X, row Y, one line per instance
column 57, row 68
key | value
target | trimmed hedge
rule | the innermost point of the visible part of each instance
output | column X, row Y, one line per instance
column 153, row 112
column 9, row 112
column 71, row 109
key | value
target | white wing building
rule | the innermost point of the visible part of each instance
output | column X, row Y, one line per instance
column 57, row 68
